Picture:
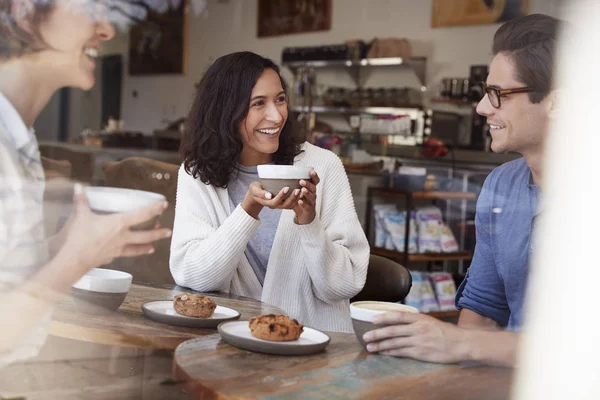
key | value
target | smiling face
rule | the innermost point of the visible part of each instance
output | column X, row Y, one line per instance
column 72, row 34
column 518, row 125
column 267, row 114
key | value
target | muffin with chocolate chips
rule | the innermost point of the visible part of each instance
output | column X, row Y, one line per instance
column 194, row 305
column 275, row 328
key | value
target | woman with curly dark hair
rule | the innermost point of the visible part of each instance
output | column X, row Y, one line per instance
column 302, row 250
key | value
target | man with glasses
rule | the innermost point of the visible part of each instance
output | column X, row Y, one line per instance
column 519, row 101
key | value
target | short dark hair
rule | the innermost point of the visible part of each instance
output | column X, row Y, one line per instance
column 530, row 42
column 14, row 41
column 211, row 143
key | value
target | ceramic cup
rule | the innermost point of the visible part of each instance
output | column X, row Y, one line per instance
column 362, row 313
column 109, row 200
column 101, row 290
column 275, row 177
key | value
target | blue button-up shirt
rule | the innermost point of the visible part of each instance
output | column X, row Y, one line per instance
column 496, row 281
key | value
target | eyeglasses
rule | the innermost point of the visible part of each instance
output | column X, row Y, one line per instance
column 496, row 94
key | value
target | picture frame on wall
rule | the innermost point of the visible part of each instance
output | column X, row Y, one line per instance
column 476, row 12
column 157, row 43
column 286, row 17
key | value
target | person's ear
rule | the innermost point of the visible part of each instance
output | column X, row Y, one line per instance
column 20, row 12
column 555, row 102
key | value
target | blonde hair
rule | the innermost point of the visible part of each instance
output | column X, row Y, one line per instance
column 14, row 41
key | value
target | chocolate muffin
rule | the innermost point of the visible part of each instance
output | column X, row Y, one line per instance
column 194, row 305
column 275, row 328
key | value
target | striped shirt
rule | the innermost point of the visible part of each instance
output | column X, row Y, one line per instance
column 23, row 248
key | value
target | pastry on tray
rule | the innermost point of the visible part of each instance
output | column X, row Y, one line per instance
column 275, row 328
column 194, row 305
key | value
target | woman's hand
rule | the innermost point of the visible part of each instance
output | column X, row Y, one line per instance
column 305, row 206
column 98, row 239
column 302, row 201
column 256, row 198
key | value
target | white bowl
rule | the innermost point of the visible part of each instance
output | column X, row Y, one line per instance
column 101, row 290
column 105, row 281
column 270, row 171
column 118, row 200
column 275, row 177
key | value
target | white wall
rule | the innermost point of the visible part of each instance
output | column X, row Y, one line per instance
column 46, row 124
column 231, row 26
column 86, row 106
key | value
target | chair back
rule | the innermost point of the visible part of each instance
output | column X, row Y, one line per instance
column 58, row 193
column 82, row 163
column 56, row 168
column 153, row 176
column 386, row 281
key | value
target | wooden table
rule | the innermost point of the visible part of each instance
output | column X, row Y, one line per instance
column 211, row 369
column 129, row 327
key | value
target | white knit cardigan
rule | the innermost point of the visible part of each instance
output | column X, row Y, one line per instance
column 313, row 269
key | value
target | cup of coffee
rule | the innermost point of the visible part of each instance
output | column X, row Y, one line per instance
column 110, row 200
column 275, row 177
column 101, row 290
column 362, row 313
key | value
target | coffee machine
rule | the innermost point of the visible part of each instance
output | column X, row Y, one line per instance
column 480, row 131
column 463, row 128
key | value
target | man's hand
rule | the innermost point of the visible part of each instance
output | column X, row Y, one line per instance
column 418, row 336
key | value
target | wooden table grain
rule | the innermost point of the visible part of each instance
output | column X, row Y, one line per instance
column 212, row 369
column 130, row 328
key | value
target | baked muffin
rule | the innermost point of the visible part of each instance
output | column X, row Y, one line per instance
column 275, row 328
column 194, row 305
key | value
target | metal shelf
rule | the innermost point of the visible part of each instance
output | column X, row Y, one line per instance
column 423, row 195
column 456, row 102
column 418, row 64
column 365, row 62
column 409, row 110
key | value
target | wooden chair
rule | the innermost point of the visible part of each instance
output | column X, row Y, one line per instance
column 82, row 164
column 386, row 281
column 58, row 193
column 153, row 176
column 56, row 168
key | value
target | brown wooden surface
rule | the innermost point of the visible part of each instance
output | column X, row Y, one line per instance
column 434, row 195
column 422, row 257
column 129, row 327
column 212, row 369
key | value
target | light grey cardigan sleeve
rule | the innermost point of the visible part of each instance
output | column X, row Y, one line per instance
column 335, row 247
column 204, row 255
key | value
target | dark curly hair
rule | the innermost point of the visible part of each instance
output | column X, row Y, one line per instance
column 211, row 143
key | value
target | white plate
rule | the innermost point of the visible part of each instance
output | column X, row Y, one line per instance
column 237, row 333
column 163, row 311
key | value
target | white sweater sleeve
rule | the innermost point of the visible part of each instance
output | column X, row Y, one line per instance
column 204, row 256
column 335, row 247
